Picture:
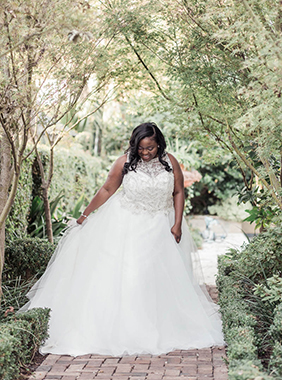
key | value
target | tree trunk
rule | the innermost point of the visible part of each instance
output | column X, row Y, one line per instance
column 45, row 186
column 47, row 211
column 6, row 175
column 2, row 253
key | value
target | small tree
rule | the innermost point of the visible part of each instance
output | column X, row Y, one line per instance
column 53, row 136
column 48, row 53
column 217, row 66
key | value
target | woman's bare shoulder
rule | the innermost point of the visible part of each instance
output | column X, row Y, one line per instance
column 119, row 162
column 122, row 159
column 173, row 160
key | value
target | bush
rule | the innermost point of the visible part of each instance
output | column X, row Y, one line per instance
column 76, row 172
column 27, row 258
column 247, row 370
column 221, row 180
column 241, row 344
column 276, row 328
column 249, row 284
column 259, row 260
column 275, row 363
column 20, row 338
column 14, row 295
column 16, row 223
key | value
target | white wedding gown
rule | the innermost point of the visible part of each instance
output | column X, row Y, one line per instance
column 120, row 284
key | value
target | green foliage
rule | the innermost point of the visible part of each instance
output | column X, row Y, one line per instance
column 263, row 211
column 247, row 370
column 262, row 216
column 249, row 282
column 241, row 344
column 272, row 291
column 76, row 173
column 275, row 330
column 77, row 176
column 16, row 222
column 214, row 69
column 239, row 325
column 14, row 295
column 220, row 181
column 275, row 362
column 27, row 258
column 260, row 259
column 77, row 208
column 20, row 338
column 36, row 218
column 48, row 55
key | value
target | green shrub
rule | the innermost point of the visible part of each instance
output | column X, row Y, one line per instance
column 259, row 260
column 20, row 338
column 247, row 370
column 36, row 218
column 249, row 284
column 14, row 295
column 277, row 321
column 275, row 333
column 75, row 172
column 237, row 315
column 241, row 344
column 26, row 258
column 16, row 223
column 221, row 179
column 272, row 291
column 275, row 363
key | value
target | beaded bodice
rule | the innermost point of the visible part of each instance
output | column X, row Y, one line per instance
column 149, row 188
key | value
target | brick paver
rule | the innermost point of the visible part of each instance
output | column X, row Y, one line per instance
column 204, row 364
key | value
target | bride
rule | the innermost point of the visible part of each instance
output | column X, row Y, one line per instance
column 123, row 280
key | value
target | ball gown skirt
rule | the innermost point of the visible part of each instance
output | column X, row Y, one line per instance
column 119, row 284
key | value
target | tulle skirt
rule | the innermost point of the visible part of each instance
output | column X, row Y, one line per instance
column 119, row 284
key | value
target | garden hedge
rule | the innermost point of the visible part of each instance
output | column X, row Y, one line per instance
column 27, row 258
column 20, row 338
column 252, row 324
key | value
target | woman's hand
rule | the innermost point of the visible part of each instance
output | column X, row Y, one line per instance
column 81, row 219
column 176, row 232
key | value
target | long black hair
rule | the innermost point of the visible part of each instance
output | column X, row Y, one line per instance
column 139, row 133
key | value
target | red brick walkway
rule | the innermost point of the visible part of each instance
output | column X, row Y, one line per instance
column 204, row 364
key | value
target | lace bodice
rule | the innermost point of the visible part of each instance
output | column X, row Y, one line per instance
column 149, row 189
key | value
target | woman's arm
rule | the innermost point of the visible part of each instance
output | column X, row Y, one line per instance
column 178, row 198
column 111, row 185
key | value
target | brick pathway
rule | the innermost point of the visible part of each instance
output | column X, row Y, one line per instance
column 204, row 364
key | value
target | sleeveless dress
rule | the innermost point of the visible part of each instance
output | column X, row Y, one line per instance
column 119, row 284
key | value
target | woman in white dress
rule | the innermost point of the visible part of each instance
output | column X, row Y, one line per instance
column 121, row 281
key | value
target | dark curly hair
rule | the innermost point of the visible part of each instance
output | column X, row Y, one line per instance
column 139, row 133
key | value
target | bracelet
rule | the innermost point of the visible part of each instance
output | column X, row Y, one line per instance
column 85, row 216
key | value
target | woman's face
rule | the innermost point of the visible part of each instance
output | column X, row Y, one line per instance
column 148, row 148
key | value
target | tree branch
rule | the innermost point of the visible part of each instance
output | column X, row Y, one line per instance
column 11, row 198
column 249, row 165
column 147, row 69
column 220, row 140
column 25, row 39
column 11, row 142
